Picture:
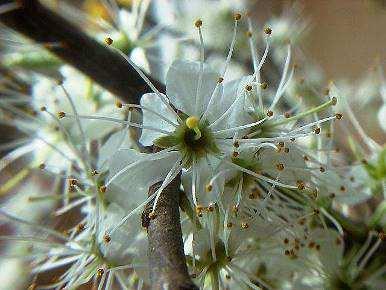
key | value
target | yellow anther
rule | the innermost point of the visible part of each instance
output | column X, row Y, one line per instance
column 192, row 123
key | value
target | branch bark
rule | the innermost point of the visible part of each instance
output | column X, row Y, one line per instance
column 166, row 253
column 75, row 47
column 168, row 268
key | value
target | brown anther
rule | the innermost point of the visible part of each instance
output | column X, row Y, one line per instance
column 268, row 30
column 118, row 104
column 338, row 116
column 235, row 208
column 286, row 150
column 286, row 241
column 220, row 80
column 229, row 258
column 236, row 144
column 338, row 241
column 199, row 209
column 109, row 41
column 280, row 166
column 269, row 113
column 61, row 115
column 280, row 144
column 364, row 161
column 316, row 211
column 317, row 247
column 227, row 277
column 292, row 139
column 43, row 109
column 352, row 178
column 306, row 158
column 80, row 228
column 249, row 33
column 198, row 23
column 94, row 172
column 311, row 245
column 107, row 238
column 42, row 166
column 103, row 188
column 244, row 225
column 235, row 154
column 100, row 272
column 208, row 187
column 229, row 224
column 342, row 188
column 322, row 169
column 287, row 115
column 264, row 85
column 332, row 195
column 286, row 252
column 317, row 130
column 300, row 185
column 72, row 182
column 382, row 236
column 211, row 207
column 152, row 215
column 237, row 16
column 248, row 88
column 302, row 221
column 334, row 101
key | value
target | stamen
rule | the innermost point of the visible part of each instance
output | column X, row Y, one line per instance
column 240, row 127
column 202, row 59
column 231, row 48
column 150, row 111
column 317, row 109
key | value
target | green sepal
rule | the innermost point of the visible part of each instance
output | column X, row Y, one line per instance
column 166, row 141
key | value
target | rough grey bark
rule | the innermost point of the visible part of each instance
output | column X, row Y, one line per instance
column 168, row 268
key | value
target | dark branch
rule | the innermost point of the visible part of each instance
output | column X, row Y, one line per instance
column 110, row 70
column 168, row 268
column 103, row 65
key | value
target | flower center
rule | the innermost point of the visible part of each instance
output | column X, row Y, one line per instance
column 193, row 138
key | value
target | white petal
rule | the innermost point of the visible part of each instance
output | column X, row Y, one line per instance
column 153, row 102
column 132, row 186
column 231, row 107
column 181, row 86
column 120, row 139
